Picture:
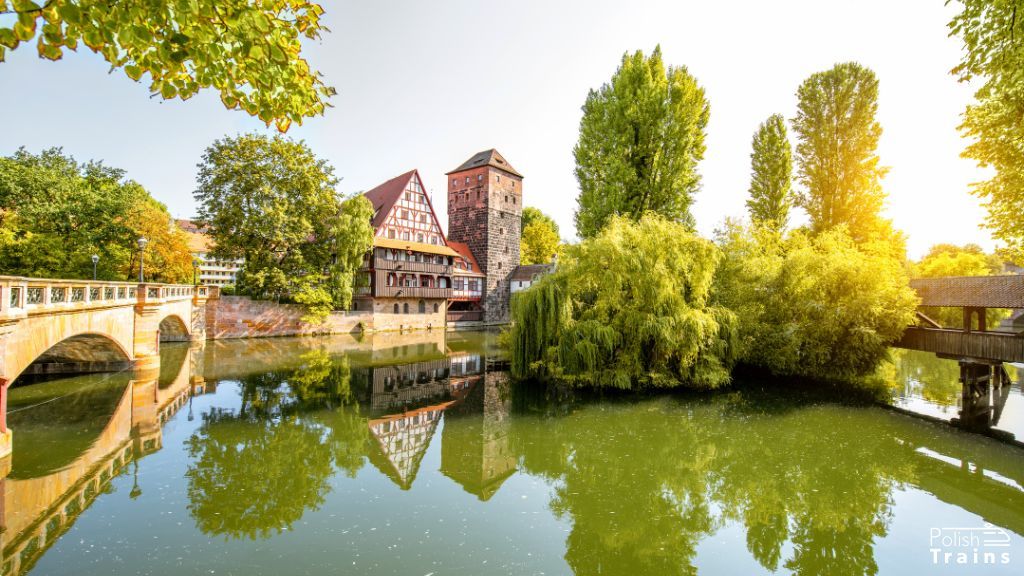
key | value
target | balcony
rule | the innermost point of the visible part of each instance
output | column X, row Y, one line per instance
column 406, row 266
column 411, row 292
column 465, row 315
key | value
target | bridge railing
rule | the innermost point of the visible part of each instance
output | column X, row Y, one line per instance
column 21, row 296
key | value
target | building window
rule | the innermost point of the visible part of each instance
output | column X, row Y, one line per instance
column 392, row 233
column 419, row 238
column 479, row 177
column 405, row 214
column 405, row 235
column 405, row 308
column 501, row 230
column 467, row 179
column 435, row 308
column 391, row 279
column 423, row 307
column 458, row 283
column 499, row 265
column 396, row 307
column 497, row 177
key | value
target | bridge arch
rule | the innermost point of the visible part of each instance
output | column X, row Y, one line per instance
column 102, row 336
column 174, row 329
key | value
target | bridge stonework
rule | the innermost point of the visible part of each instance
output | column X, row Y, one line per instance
column 36, row 315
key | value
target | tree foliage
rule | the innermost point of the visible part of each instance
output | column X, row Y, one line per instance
column 248, row 51
column 771, row 176
column 539, row 240
column 837, row 140
column 993, row 36
column 819, row 306
column 641, row 137
column 273, row 203
column 55, row 213
column 628, row 308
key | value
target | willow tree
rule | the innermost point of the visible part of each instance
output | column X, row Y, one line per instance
column 248, row 51
column 837, row 139
column 641, row 137
column 993, row 36
column 628, row 308
column 771, row 174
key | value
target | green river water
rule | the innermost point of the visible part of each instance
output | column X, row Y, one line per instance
column 416, row 455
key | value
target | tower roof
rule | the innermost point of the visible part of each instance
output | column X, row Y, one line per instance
column 487, row 158
column 383, row 197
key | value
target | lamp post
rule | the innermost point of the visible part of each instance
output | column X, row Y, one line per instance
column 95, row 260
column 195, row 267
column 142, row 259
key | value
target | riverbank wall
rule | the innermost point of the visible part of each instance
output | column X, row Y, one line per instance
column 242, row 317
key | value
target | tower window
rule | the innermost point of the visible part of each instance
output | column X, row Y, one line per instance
column 506, row 198
column 479, row 177
column 497, row 177
column 501, row 230
column 467, row 179
column 455, row 182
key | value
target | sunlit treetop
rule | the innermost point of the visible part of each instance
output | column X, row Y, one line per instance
column 248, row 50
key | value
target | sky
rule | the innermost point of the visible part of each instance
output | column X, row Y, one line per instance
column 427, row 84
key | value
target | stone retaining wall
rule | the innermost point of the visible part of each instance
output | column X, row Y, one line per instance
column 242, row 317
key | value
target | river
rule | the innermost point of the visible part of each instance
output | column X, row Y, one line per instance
column 415, row 454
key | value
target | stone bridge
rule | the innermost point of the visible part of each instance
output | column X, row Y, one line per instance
column 51, row 326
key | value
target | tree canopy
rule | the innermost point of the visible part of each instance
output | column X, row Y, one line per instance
column 248, row 51
column 539, row 240
column 272, row 202
column 993, row 36
column 55, row 213
column 819, row 306
column 837, row 139
column 641, row 137
column 771, row 174
column 627, row 308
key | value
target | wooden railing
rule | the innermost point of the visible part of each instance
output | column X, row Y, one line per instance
column 465, row 315
column 412, row 292
column 1002, row 346
column 406, row 266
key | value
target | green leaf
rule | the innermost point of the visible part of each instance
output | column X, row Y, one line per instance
column 8, row 38
column 134, row 72
column 70, row 12
column 168, row 91
column 256, row 53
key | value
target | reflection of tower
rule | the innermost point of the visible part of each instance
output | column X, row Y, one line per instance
column 475, row 451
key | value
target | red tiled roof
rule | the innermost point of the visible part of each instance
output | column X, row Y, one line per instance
column 487, row 158
column 467, row 254
column 526, row 272
column 383, row 197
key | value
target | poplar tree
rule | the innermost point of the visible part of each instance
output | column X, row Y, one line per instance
column 771, row 177
column 641, row 137
column 837, row 140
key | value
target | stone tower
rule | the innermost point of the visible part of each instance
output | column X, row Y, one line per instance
column 485, row 210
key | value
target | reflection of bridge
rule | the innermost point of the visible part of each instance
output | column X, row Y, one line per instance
column 47, row 325
column 35, row 511
column 980, row 351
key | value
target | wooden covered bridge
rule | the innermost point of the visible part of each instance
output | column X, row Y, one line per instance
column 979, row 348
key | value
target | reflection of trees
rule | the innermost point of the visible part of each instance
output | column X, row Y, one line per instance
column 257, row 470
column 644, row 483
column 636, row 508
column 935, row 379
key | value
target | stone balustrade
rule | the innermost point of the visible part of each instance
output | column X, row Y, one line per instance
column 21, row 297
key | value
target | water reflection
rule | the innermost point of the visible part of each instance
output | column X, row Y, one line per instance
column 992, row 402
column 337, row 440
